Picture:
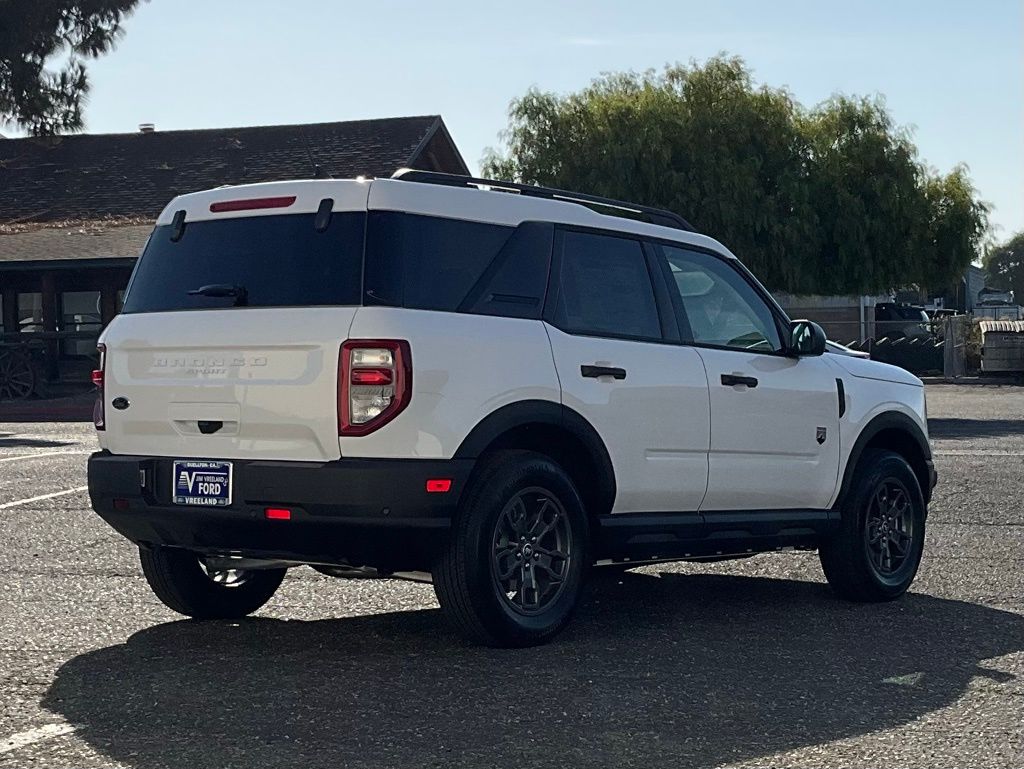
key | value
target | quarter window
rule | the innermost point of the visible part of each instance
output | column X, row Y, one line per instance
column 427, row 262
column 604, row 288
column 719, row 306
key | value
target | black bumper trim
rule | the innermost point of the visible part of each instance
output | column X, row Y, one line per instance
column 361, row 511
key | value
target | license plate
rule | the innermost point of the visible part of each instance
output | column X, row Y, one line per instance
column 199, row 482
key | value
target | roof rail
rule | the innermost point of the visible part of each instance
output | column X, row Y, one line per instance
column 646, row 213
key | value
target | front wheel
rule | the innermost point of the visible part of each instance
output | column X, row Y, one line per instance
column 876, row 553
column 183, row 582
column 512, row 571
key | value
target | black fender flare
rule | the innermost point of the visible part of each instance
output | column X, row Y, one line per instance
column 531, row 412
column 888, row 420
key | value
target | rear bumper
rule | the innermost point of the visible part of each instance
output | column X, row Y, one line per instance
column 373, row 512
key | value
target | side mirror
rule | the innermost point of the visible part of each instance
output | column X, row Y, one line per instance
column 806, row 338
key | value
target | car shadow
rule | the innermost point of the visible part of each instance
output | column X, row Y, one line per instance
column 963, row 429
column 8, row 440
column 655, row 670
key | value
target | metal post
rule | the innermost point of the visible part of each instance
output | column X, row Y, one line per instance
column 48, row 288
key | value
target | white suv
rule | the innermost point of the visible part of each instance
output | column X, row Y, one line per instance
column 487, row 385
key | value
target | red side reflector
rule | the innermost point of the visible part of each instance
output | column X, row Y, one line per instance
column 439, row 485
column 251, row 204
column 121, row 504
column 278, row 513
column 371, row 376
column 97, row 377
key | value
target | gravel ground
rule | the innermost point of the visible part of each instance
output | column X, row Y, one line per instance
column 742, row 664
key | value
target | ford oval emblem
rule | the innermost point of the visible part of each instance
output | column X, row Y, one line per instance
column 120, row 403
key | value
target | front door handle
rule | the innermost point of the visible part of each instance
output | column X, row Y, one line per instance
column 731, row 380
column 598, row 371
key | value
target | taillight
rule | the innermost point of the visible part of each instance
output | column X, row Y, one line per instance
column 98, row 377
column 374, row 383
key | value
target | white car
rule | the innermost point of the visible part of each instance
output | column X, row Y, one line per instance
column 489, row 386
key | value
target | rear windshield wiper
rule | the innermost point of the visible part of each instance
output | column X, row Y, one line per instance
column 223, row 290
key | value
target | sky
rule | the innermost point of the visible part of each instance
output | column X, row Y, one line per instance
column 951, row 71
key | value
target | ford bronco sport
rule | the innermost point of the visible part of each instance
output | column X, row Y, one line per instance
column 488, row 385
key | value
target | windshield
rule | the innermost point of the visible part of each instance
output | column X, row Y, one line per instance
column 257, row 261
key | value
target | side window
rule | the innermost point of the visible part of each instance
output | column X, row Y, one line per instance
column 514, row 284
column 720, row 307
column 427, row 262
column 604, row 288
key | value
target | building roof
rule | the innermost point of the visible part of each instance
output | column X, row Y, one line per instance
column 79, row 242
column 85, row 176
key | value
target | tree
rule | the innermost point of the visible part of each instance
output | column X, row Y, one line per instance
column 957, row 227
column 829, row 200
column 870, row 206
column 34, row 32
column 1004, row 266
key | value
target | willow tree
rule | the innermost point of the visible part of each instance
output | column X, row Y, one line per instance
column 829, row 200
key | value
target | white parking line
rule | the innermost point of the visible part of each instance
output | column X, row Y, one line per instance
column 977, row 453
column 32, row 736
column 42, row 454
column 41, row 497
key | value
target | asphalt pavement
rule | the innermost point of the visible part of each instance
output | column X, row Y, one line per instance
column 741, row 664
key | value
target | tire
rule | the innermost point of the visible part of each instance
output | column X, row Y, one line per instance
column 498, row 581
column 877, row 551
column 182, row 583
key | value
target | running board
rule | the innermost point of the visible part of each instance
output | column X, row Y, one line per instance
column 718, row 533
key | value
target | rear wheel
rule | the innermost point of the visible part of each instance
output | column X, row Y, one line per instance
column 876, row 553
column 513, row 568
column 183, row 582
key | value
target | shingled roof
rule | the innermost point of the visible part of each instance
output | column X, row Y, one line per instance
column 128, row 175
column 57, row 244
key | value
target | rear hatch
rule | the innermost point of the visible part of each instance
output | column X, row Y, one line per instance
column 228, row 343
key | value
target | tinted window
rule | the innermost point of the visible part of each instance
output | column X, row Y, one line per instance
column 426, row 262
column 719, row 306
column 516, row 281
column 280, row 261
column 605, row 288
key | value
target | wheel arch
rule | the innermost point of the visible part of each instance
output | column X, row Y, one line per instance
column 895, row 432
column 558, row 432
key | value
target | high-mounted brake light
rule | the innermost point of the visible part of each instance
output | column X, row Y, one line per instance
column 98, row 378
column 439, row 485
column 251, row 204
column 374, row 383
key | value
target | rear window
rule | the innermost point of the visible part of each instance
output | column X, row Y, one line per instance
column 273, row 261
column 912, row 313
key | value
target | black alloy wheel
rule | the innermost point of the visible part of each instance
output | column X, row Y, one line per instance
column 532, row 552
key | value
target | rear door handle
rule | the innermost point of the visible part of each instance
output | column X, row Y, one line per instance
column 730, row 380
column 598, row 371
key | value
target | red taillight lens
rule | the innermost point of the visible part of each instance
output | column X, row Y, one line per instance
column 439, row 485
column 374, row 383
column 278, row 513
column 251, row 204
column 371, row 376
column 98, row 378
